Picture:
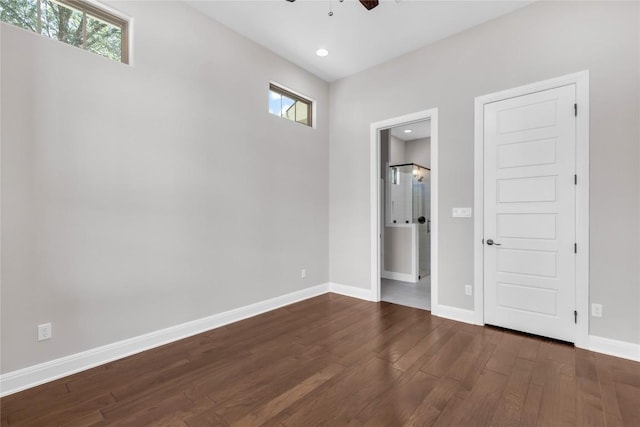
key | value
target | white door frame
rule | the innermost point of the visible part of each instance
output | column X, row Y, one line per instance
column 374, row 167
column 581, row 80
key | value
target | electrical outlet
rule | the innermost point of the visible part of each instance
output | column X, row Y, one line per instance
column 44, row 331
column 596, row 310
column 303, row 273
column 468, row 290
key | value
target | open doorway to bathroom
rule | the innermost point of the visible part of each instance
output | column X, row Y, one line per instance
column 404, row 196
column 405, row 259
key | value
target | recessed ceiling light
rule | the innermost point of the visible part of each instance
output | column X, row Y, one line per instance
column 408, row 131
column 322, row 52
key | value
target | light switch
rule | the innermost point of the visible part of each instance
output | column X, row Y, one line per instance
column 461, row 212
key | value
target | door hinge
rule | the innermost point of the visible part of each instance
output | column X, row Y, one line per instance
column 575, row 248
column 575, row 316
column 575, row 179
column 575, row 110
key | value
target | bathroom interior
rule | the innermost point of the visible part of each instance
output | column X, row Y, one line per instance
column 405, row 250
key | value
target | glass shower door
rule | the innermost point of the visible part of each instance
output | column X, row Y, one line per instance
column 422, row 217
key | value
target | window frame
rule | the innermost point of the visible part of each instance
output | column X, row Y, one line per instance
column 279, row 89
column 92, row 9
column 95, row 10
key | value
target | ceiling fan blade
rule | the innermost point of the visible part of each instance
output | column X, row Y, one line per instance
column 369, row 4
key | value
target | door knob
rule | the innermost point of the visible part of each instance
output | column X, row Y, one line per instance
column 491, row 242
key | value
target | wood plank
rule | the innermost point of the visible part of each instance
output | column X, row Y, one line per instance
column 345, row 395
column 223, row 379
column 479, row 407
column 473, row 372
column 609, row 394
column 512, row 403
column 531, row 409
column 268, row 385
column 206, row 419
column 401, row 344
column 433, row 405
column 560, row 352
column 286, row 399
column 446, row 417
column 396, row 405
column 90, row 418
column 144, row 413
column 506, row 353
column 437, row 336
column 67, row 414
column 558, row 405
column 439, row 364
column 178, row 416
column 589, row 406
column 629, row 401
column 375, row 344
column 529, row 348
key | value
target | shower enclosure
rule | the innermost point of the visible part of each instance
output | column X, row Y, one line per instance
column 408, row 205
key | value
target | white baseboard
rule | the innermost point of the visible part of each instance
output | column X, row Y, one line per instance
column 623, row 349
column 352, row 291
column 32, row 376
column 454, row 313
column 403, row 277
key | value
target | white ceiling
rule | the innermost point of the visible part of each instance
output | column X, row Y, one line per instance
column 355, row 37
column 418, row 130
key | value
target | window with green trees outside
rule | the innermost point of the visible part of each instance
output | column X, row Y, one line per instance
column 76, row 22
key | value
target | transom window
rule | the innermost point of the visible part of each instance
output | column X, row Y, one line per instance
column 75, row 22
column 285, row 104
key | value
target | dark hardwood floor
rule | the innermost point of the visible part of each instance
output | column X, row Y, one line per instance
column 338, row 361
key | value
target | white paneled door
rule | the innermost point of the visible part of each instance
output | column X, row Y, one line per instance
column 530, row 212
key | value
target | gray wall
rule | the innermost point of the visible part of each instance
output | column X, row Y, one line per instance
column 397, row 151
column 398, row 251
column 541, row 41
column 136, row 198
column 419, row 151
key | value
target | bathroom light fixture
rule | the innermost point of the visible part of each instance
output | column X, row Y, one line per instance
column 322, row 52
column 408, row 131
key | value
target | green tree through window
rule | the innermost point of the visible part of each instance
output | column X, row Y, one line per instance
column 74, row 22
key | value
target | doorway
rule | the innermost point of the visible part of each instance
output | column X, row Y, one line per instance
column 404, row 209
column 531, row 174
